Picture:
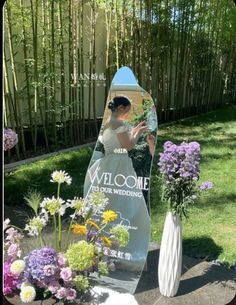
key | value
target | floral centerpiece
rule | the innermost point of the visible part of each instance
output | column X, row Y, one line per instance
column 62, row 270
column 179, row 167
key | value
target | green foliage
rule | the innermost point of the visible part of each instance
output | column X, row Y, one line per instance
column 33, row 199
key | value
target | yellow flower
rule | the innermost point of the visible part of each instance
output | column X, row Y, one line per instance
column 109, row 215
column 92, row 223
column 79, row 229
column 106, row 241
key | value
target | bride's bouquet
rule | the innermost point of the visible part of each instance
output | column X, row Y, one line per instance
column 61, row 270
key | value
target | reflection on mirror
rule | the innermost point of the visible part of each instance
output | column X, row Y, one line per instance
column 120, row 168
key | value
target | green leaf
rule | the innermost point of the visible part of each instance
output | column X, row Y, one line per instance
column 33, row 199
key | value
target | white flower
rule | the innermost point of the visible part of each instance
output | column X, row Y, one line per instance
column 62, row 210
column 44, row 215
column 53, row 205
column 80, row 206
column 76, row 203
column 98, row 201
column 6, row 223
column 61, row 177
column 17, row 267
column 35, row 225
column 25, row 284
column 27, row 294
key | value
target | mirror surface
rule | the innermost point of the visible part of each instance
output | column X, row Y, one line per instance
column 124, row 176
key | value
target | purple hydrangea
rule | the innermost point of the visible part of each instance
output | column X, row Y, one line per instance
column 38, row 264
column 180, row 160
column 10, row 138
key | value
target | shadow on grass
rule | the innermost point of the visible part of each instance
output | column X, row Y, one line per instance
column 201, row 247
column 220, row 115
column 215, row 200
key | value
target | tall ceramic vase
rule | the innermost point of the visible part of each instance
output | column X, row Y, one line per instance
column 170, row 259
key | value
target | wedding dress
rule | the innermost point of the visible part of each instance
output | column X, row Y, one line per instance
column 114, row 174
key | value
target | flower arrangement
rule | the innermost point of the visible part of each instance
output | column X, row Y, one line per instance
column 61, row 270
column 179, row 166
column 10, row 139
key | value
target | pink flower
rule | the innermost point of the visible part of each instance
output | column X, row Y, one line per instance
column 61, row 293
column 66, row 274
column 54, row 286
column 13, row 235
column 71, row 294
column 10, row 281
column 112, row 266
column 14, row 251
column 49, row 270
column 61, row 259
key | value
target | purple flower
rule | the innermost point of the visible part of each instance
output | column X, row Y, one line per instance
column 37, row 263
column 10, row 138
column 206, row 185
column 49, row 270
column 53, row 286
column 180, row 160
column 61, row 293
column 66, row 274
column 70, row 294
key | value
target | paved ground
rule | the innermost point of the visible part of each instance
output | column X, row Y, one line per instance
column 202, row 283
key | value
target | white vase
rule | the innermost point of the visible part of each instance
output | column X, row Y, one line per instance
column 170, row 259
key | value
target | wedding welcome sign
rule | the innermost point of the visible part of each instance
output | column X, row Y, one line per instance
column 123, row 175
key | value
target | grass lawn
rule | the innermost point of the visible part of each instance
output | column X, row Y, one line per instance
column 210, row 231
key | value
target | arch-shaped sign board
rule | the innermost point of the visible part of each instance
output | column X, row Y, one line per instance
column 124, row 177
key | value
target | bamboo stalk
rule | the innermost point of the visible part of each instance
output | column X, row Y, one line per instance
column 45, row 64
column 70, row 68
column 25, row 51
column 107, row 52
column 90, row 70
column 116, row 36
column 62, row 67
column 53, row 75
column 94, row 67
column 82, row 69
column 9, row 103
column 15, row 83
